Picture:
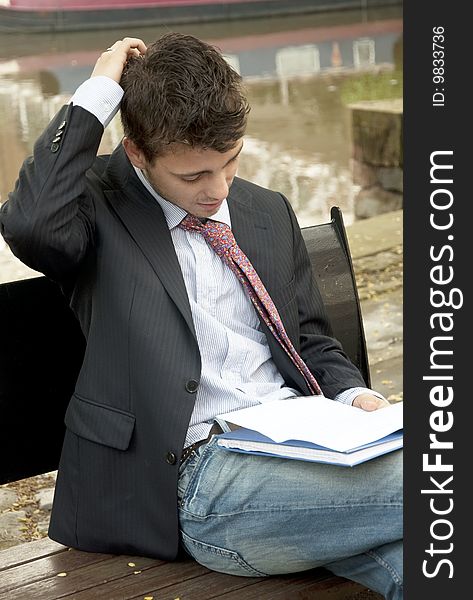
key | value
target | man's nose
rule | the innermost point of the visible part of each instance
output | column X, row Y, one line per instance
column 218, row 188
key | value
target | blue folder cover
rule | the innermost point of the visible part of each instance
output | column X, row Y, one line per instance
column 248, row 441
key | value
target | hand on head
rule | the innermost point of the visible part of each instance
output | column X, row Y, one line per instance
column 113, row 60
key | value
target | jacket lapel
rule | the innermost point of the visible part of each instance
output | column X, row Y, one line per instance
column 253, row 231
column 144, row 219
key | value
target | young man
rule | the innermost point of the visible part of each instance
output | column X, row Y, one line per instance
column 174, row 338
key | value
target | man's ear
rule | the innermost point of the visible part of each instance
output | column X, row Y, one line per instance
column 135, row 155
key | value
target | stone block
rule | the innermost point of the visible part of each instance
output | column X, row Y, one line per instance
column 11, row 526
column 374, row 201
column 377, row 131
column 363, row 174
column 390, row 178
column 7, row 498
column 45, row 498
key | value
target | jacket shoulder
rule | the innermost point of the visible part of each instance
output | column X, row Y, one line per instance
column 264, row 199
column 256, row 190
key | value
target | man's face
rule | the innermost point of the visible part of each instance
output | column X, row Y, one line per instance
column 195, row 179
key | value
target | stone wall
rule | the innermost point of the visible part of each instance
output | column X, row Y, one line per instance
column 377, row 160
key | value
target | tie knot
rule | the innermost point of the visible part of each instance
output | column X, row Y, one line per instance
column 218, row 235
column 191, row 223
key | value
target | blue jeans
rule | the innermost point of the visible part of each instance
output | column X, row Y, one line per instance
column 257, row 516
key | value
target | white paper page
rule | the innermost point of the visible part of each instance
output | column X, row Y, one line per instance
column 319, row 420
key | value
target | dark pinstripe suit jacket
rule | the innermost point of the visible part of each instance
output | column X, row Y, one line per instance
column 89, row 224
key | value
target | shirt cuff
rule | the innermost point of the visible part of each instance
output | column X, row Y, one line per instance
column 349, row 395
column 100, row 96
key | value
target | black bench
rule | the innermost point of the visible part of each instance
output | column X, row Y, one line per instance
column 40, row 355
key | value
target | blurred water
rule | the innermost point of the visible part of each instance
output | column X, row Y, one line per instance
column 300, row 73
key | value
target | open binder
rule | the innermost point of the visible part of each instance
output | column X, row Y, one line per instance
column 313, row 428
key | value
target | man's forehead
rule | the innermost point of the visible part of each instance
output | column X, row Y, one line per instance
column 183, row 158
column 179, row 149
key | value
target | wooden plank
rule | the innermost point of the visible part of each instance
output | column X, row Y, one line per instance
column 110, row 579
column 17, row 555
column 48, row 566
column 303, row 586
column 208, row 586
column 84, row 577
column 312, row 584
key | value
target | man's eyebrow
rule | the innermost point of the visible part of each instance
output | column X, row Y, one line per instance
column 207, row 171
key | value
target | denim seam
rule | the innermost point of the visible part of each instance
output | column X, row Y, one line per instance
column 394, row 574
column 246, row 509
column 224, row 553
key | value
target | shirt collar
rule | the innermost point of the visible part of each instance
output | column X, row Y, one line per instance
column 173, row 213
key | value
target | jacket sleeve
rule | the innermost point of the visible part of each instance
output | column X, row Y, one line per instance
column 48, row 220
column 322, row 353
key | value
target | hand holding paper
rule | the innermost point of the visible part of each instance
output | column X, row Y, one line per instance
column 318, row 420
column 370, row 402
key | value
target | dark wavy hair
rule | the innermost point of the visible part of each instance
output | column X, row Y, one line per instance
column 182, row 90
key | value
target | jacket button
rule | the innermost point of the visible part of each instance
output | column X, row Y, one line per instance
column 171, row 458
column 54, row 147
column 192, row 385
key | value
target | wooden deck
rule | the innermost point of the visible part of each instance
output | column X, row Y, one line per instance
column 45, row 570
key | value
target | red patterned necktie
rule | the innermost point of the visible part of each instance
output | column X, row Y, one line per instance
column 220, row 238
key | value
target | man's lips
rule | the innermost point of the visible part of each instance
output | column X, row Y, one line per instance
column 210, row 203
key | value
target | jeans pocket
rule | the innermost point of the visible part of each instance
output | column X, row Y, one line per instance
column 218, row 559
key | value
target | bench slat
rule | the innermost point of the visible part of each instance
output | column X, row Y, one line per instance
column 44, row 567
column 23, row 553
column 301, row 586
column 208, row 586
column 111, row 578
